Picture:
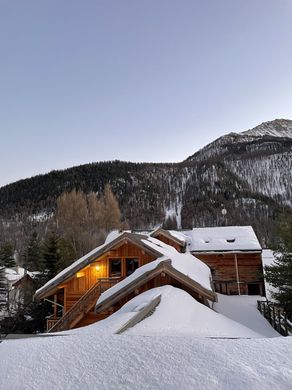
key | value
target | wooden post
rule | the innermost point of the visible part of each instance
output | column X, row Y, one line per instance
column 279, row 320
column 285, row 324
column 55, row 306
column 237, row 273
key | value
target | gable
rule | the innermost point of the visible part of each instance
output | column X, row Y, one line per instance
column 82, row 274
column 158, row 274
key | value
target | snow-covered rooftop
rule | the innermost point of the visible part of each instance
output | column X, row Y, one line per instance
column 14, row 274
column 185, row 263
column 178, row 314
column 225, row 238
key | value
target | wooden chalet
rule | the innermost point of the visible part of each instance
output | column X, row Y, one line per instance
column 232, row 253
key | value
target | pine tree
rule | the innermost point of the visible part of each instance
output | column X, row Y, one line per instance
column 51, row 254
column 66, row 254
column 7, row 255
column 279, row 275
column 32, row 256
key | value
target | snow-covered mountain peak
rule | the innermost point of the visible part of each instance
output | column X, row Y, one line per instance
column 275, row 128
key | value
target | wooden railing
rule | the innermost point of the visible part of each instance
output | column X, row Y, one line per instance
column 276, row 317
column 51, row 322
column 83, row 305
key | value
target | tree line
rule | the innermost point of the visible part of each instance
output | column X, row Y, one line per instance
column 81, row 223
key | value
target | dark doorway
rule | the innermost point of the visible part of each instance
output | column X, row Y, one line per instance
column 253, row 289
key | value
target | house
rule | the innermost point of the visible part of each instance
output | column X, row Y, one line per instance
column 233, row 254
column 130, row 263
column 19, row 290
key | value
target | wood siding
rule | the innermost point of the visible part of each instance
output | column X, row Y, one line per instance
column 170, row 242
column 73, row 289
column 224, row 273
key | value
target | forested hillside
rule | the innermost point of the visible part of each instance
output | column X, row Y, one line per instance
column 249, row 173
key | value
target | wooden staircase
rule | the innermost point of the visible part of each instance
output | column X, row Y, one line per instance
column 83, row 306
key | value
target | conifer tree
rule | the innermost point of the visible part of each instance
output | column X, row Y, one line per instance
column 32, row 256
column 51, row 254
column 279, row 275
column 7, row 255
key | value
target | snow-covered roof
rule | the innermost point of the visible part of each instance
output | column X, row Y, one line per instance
column 111, row 240
column 14, row 274
column 179, row 314
column 177, row 236
column 185, row 263
column 225, row 239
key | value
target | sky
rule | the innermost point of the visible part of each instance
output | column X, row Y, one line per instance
column 136, row 80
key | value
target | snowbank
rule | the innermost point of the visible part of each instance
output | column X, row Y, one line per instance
column 243, row 310
column 90, row 358
column 179, row 314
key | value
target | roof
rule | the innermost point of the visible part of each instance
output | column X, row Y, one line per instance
column 15, row 274
column 181, row 266
column 177, row 237
column 222, row 239
column 111, row 241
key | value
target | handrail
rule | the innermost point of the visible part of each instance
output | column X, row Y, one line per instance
column 276, row 317
column 84, row 304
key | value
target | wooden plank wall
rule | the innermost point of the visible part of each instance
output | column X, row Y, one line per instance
column 222, row 265
column 170, row 242
column 75, row 287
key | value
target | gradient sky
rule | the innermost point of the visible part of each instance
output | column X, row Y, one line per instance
column 136, row 80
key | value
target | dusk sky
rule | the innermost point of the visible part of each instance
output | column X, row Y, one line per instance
column 136, row 80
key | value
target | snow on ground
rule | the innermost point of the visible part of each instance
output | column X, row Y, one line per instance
column 149, row 355
column 243, row 310
column 178, row 314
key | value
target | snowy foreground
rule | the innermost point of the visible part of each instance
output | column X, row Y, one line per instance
column 182, row 345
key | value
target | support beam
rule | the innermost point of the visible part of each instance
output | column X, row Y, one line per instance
column 237, row 274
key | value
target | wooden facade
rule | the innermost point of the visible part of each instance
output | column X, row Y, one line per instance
column 170, row 241
column 167, row 238
column 238, row 273
column 75, row 292
column 113, row 266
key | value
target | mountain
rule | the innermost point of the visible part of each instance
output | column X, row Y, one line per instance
column 262, row 157
column 247, row 173
column 276, row 128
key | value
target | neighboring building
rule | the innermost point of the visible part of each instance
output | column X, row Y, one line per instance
column 20, row 289
column 233, row 254
column 163, row 257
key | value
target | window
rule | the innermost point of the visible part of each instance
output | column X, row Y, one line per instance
column 254, row 289
column 115, row 267
column 131, row 265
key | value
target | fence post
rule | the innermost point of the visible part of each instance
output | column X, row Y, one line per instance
column 285, row 324
column 279, row 320
column 274, row 319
